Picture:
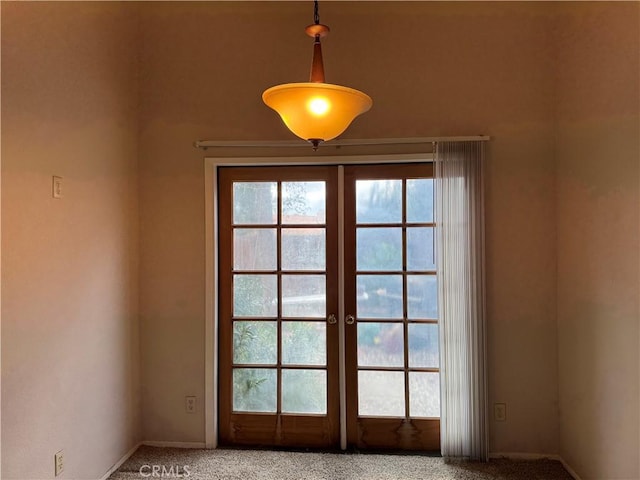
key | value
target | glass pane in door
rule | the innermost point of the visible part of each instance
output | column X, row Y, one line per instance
column 424, row 349
column 304, row 296
column 424, row 390
column 255, row 295
column 303, row 249
column 378, row 201
column 379, row 296
column 304, row 343
column 380, row 394
column 380, row 344
column 255, row 203
column 255, row 343
column 304, row 391
column 419, row 199
column 303, row 202
column 379, row 249
column 254, row 249
column 254, row 390
column 420, row 249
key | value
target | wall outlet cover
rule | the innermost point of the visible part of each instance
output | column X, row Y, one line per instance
column 59, row 462
column 500, row 412
column 190, row 404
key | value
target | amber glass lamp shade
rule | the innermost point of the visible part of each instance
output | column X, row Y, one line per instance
column 314, row 110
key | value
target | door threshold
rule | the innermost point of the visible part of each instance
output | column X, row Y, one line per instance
column 348, row 451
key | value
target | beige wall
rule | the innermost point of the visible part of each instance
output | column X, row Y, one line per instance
column 111, row 96
column 432, row 69
column 598, row 238
column 70, row 351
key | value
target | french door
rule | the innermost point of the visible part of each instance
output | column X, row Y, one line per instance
column 328, row 293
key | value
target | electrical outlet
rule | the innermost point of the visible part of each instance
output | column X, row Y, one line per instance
column 57, row 187
column 500, row 412
column 190, row 404
column 58, row 459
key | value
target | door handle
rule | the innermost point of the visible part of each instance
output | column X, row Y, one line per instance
column 331, row 319
column 350, row 320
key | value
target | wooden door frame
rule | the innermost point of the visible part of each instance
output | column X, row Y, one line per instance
column 211, row 165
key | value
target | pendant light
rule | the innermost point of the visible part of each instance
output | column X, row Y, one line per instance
column 316, row 111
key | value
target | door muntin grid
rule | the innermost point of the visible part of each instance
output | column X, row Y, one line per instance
column 396, row 304
column 279, row 285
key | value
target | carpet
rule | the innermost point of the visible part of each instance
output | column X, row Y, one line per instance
column 231, row 464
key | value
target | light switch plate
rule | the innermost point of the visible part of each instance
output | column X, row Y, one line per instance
column 57, row 187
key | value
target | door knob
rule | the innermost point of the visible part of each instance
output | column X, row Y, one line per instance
column 331, row 319
column 350, row 320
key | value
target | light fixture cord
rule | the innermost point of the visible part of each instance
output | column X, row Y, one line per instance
column 317, row 68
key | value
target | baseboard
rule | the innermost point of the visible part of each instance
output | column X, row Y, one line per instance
column 153, row 443
column 524, row 456
column 116, row 465
column 536, row 456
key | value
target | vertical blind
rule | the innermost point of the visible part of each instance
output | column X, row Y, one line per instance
column 461, row 298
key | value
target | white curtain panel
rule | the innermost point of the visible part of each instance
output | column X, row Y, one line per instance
column 461, row 299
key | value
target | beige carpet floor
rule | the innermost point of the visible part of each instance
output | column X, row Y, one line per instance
column 229, row 464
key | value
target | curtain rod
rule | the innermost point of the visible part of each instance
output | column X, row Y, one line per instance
column 205, row 144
